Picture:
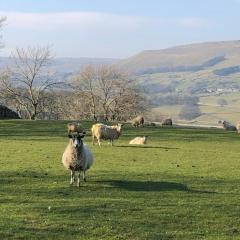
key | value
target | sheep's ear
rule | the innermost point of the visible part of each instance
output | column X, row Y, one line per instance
column 70, row 136
column 81, row 136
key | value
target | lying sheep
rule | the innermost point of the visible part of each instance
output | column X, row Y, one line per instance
column 77, row 157
column 101, row 131
column 74, row 128
column 138, row 121
column 227, row 126
column 139, row 140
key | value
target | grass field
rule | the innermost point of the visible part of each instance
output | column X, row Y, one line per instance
column 185, row 184
column 211, row 111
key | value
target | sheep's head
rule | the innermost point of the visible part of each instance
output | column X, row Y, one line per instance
column 119, row 127
column 221, row 122
column 120, row 124
column 77, row 138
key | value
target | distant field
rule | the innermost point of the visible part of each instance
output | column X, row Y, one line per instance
column 184, row 184
column 210, row 109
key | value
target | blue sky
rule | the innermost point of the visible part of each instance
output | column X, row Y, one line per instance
column 116, row 28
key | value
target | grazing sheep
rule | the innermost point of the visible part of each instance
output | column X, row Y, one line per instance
column 77, row 157
column 227, row 126
column 101, row 131
column 167, row 122
column 138, row 121
column 75, row 128
column 139, row 140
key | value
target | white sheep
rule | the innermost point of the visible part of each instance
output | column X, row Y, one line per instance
column 138, row 121
column 101, row 131
column 77, row 157
column 238, row 127
column 139, row 140
column 167, row 122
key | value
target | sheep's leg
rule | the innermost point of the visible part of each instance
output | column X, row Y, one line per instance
column 84, row 176
column 93, row 140
column 72, row 177
column 99, row 142
column 78, row 180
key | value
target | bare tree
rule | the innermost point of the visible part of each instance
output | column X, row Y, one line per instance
column 108, row 92
column 27, row 82
column 84, row 85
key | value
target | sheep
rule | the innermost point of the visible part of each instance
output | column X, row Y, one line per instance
column 101, row 131
column 74, row 128
column 238, row 127
column 167, row 122
column 139, row 140
column 227, row 126
column 77, row 157
column 138, row 121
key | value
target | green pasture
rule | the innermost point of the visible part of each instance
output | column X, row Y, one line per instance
column 184, row 184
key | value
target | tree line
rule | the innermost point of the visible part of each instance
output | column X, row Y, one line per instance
column 101, row 92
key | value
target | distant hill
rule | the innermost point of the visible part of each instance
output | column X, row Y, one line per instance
column 196, row 69
column 187, row 58
column 190, row 74
column 65, row 67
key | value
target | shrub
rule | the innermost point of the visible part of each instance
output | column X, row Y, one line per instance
column 190, row 112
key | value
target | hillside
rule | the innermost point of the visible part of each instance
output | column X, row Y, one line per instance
column 192, row 57
column 204, row 68
column 176, row 76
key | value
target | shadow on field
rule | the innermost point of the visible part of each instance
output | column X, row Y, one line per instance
column 137, row 146
column 151, row 186
column 146, row 186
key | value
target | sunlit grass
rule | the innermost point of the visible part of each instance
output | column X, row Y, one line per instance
column 184, row 184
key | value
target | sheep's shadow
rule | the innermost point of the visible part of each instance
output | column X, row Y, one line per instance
column 151, row 186
column 144, row 146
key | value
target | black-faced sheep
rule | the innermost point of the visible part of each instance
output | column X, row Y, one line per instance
column 101, row 131
column 139, row 140
column 227, row 126
column 75, row 128
column 138, row 121
column 77, row 157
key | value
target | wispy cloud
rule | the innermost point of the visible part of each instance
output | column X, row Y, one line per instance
column 51, row 20
column 96, row 33
column 88, row 19
column 194, row 22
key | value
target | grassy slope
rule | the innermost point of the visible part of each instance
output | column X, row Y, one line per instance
column 183, row 185
column 187, row 55
column 193, row 54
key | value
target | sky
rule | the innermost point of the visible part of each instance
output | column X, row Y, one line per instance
column 115, row 28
